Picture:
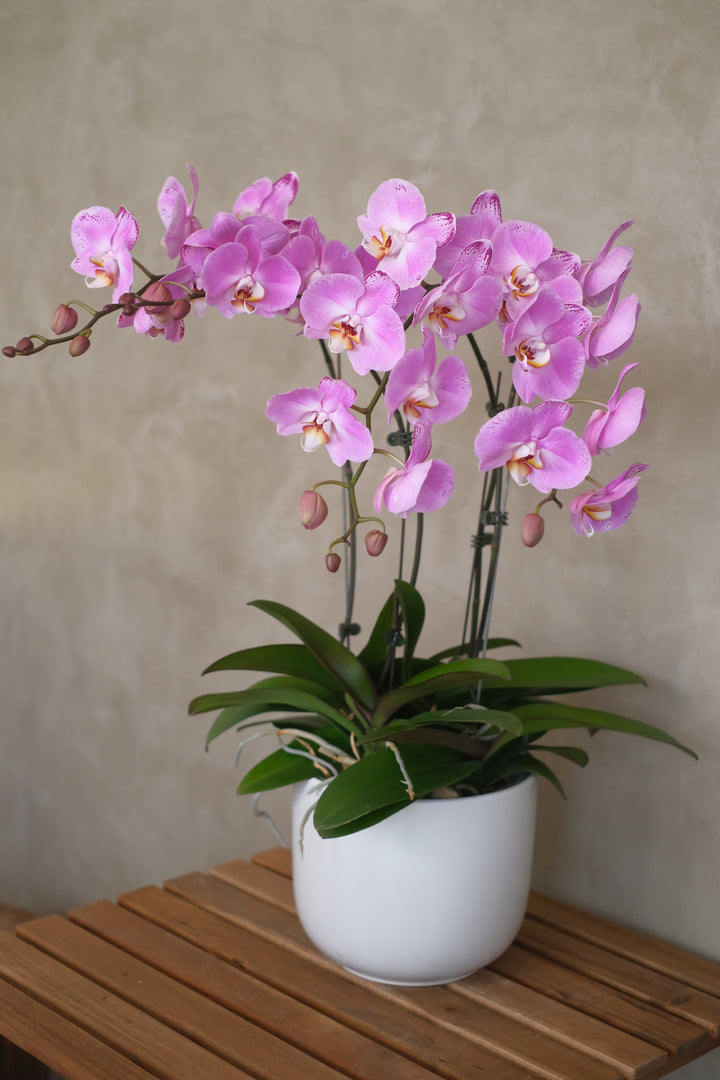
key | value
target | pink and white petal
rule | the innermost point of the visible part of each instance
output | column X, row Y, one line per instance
column 437, row 227
column 280, row 281
column 329, row 298
column 380, row 291
column 624, row 420
column 498, row 437
column 453, row 388
column 396, row 204
column 382, row 343
column 566, row 461
column 290, row 411
column 610, row 339
column 437, row 488
column 91, row 230
column 351, row 439
column 127, row 230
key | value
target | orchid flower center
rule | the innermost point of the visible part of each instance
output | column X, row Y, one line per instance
column 594, row 513
column 523, row 281
column 316, row 432
column 105, row 273
column 247, row 294
column 388, row 243
column 423, row 397
column 449, row 309
column 345, row 333
column 533, row 352
column 525, row 458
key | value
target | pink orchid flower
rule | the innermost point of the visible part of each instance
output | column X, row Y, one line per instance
column 238, row 277
column 599, row 275
column 322, row 416
column 266, row 198
column 525, row 260
column 549, row 358
column 356, row 317
column 313, row 256
column 613, row 332
column 421, row 485
column 535, row 446
column 609, row 507
column 176, row 214
column 480, row 224
column 466, row 301
column 624, row 413
column 414, row 384
column 103, row 242
column 400, row 234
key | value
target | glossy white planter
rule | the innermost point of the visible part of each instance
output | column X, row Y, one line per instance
column 427, row 896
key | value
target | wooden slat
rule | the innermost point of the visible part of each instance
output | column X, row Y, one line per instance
column 503, row 1035
column 320, row 985
column 226, row 1034
column 626, row 975
column 300, row 1025
column 278, row 859
column 59, row 1044
column 632, row 1057
column 692, row 970
column 273, row 888
column 664, row 1030
column 124, row 1028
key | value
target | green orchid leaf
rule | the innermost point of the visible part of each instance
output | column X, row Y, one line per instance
column 412, row 608
column 505, row 721
column 331, row 654
column 536, row 718
column 517, row 764
column 273, row 700
column 296, row 660
column 373, row 655
column 461, row 650
column 332, row 695
column 537, row 676
column 277, row 770
column 570, row 753
column 457, row 674
column 375, row 786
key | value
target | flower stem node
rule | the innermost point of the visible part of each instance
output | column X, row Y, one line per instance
column 532, row 529
column 375, row 542
column 313, row 510
column 332, row 562
column 64, row 320
column 79, row 345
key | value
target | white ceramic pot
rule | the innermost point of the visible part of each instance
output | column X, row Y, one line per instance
column 427, row 896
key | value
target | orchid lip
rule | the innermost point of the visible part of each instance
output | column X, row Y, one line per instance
column 314, row 435
column 247, row 295
column 533, row 351
column 523, row 281
column 344, row 335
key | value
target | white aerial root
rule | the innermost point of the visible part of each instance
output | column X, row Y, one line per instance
column 401, row 765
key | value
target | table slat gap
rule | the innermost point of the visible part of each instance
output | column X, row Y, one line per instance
column 278, row 859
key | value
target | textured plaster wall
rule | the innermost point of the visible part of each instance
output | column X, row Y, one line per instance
column 144, row 498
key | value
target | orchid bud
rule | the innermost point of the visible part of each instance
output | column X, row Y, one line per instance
column 375, row 542
column 64, row 320
column 180, row 309
column 79, row 345
column 313, row 509
column 9, row 351
column 332, row 562
column 24, row 345
column 532, row 529
column 126, row 298
column 159, row 294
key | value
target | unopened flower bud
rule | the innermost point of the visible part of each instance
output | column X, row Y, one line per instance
column 159, row 294
column 332, row 562
column 24, row 345
column 180, row 309
column 313, row 509
column 375, row 542
column 126, row 298
column 532, row 529
column 9, row 351
column 64, row 320
column 79, row 345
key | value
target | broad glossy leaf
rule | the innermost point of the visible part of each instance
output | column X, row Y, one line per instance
column 375, row 784
column 372, row 656
column 450, row 676
column 332, row 654
column 273, row 700
column 278, row 770
column 505, row 721
column 570, row 753
column 518, row 764
column 461, row 650
column 536, row 676
column 413, row 613
column 536, row 718
column 294, row 660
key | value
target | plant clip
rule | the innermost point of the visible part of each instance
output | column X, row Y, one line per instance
column 494, row 517
column 349, row 629
column 400, row 438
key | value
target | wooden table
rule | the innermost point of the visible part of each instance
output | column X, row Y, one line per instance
column 211, row 977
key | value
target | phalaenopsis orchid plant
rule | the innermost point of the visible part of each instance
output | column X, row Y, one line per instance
column 383, row 726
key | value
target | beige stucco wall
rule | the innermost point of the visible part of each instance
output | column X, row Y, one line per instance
column 144, row 499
